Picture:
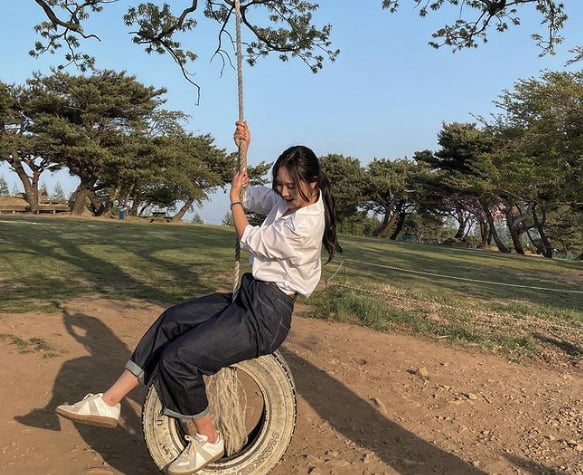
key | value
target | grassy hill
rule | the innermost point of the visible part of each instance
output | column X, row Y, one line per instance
column 522, row 307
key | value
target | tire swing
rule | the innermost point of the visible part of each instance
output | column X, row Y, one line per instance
column 258, row 432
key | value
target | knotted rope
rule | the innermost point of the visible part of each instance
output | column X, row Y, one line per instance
column 223, row 388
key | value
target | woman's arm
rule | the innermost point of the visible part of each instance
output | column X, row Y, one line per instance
column 242, row 138
column 240, row 181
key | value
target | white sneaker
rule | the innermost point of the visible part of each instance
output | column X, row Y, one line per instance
column 92, row 409
column 198, row 454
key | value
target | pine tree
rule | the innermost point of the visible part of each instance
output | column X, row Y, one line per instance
column 4, row 191
column 58, row 193
column 43, row 191
column 196, row 219
column 228, row 219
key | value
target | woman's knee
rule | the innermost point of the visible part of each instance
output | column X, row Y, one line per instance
column 179, row 362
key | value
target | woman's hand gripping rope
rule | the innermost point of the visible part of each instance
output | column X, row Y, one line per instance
column 242, row 138
column 240, row 180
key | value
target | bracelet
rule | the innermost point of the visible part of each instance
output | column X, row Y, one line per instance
column 236, row 203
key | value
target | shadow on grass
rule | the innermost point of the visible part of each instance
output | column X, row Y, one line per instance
column 59, row 260
column 507, row 277
column 122, row 448
column 168, row 263
column 566, row 347
column 397, row 447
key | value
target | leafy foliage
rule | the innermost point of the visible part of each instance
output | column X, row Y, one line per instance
column 476, row 18
column 281, row 26
column 387, row 193
column 110, row 131
column 346, row 176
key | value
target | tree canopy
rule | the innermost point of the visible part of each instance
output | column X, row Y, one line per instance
column 111, row 132
column 283, row 27
column 513, row 181
column 476, row 19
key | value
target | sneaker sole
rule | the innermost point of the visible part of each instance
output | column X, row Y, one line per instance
column 214, row 459
column 99, row 421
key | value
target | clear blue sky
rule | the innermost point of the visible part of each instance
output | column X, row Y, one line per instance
column 386, row 95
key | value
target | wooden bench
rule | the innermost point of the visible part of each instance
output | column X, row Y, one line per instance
column 13, row 209
column 158, row 216
column 53, row 208
column 26, row 209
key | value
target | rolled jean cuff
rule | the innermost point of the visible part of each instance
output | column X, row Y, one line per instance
column 177, row 415
column 135, row 370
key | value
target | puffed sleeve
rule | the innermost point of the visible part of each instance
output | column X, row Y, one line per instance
column 280, row 240
column 260, row 199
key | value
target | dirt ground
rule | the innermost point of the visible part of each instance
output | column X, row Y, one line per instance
column 368, row 403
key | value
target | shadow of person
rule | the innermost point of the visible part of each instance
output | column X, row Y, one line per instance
column 532, row 467
column 122, row 448
column 568, row 348
column 397, row 447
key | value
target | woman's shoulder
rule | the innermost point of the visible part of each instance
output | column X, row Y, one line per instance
column 309, row 219
column 314, row 209
column 254, row 190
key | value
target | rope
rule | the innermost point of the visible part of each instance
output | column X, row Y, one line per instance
column 228, row 411
column 242, row 159
column 242, row 155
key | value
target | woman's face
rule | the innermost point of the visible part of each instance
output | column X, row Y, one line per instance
column 290, row 191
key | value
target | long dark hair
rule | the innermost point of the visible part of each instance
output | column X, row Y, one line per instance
column 303, row 166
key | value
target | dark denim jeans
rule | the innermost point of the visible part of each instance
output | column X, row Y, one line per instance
column 203, row 335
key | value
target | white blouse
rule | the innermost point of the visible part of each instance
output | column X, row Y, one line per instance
column 285, row 249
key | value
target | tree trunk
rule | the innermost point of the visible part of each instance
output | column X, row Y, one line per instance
column 125, row 198
column 80, row 196
column 512, row 225
column 461, row 219
column 402, row 216
column 141, row 211
column 493, row 233
column 182, row 211
column 98, row 207
column 484, row 233
column 85, row 192
column 490, row 232
column 135, row 209
column 383, row 230
column 547, row 250
column 30, row 190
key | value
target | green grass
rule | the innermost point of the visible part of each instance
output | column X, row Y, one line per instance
column 32, row 345
column 521, row 307
column 47, row 261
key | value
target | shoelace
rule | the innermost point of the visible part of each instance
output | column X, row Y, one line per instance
column 86, row 397
column 193, row 443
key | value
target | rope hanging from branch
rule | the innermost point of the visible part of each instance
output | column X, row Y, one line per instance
column 242, row 154
column 228, row 411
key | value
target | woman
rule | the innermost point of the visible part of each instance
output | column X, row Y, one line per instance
column 203, row 335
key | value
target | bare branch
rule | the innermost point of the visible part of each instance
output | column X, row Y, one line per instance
column 220, row 51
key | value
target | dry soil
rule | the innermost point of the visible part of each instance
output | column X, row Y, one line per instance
column 368, row 403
